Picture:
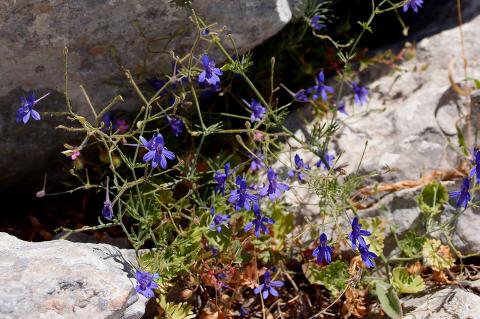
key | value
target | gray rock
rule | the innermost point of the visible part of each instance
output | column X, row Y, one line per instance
column 61, row 279
column 446, row 303
column 102, row 37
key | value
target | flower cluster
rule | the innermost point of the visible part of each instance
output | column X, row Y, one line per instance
column 357, row 240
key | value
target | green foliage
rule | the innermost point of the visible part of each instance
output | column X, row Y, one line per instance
column 412, row 244
column 389, row 300
column 432, row 199
column 333, row 276
column 436, row 255
column 175, row 310
column 376, row 240
column 407, row 283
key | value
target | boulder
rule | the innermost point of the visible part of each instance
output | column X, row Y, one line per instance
column 61, row 279
column 103, row 37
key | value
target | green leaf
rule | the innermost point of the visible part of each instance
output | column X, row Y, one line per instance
column 334, row 276
column 376, row 240
column 436, row 255
column 477, row 83
column 407, row 283
column 412, row 244
column 432, row 198
column 176, row 310
column 388, row 299
column 284, row 223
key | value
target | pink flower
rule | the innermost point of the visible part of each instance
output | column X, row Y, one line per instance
column 75, row 154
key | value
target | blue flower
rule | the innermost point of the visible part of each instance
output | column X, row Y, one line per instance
column 176, row 125
column 210, row 72
column 274, row 188
column 221, row 179
column 157, row 152
column 414, row 4
column 219, row 220
column 367, row 256
column 357, row 234
column 268, row 286
column 300, row 167
column 341, row 107
column 257, row 162
column 260, row 222
column 329, row 159
column 476, row 165
column 205, row 32
column 243, row 311
column 240, row 196
column 301, row 96
column 146, row 283
column 258, row 111
column 463, row 195
column 360, row 93
column 320, row 89
column 315, row 23
column 26, row 109
column 107, row 211
column 323, row 252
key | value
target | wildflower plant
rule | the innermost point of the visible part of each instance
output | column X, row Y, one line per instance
column 181, row 153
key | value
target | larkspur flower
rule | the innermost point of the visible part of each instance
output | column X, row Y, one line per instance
column 205, row 32
column 463, row 195
column 274, row 188
column 414, row 4
column 320, row 89
column 257, row 162
column 328, row 158
column 243, row 311
column 367, row 256
column 341, row 107
column 26, row 109
column 268, row 286
column 218, row 221
column 260, row 222
column 157, row 152
column 146, row 283
column 315, row 23
column 241, row 197
column 176, row 125
column 475, row 171
column 301, row 96
column 75, row 154
column 221, row 179
column 107, row 210
column 121, row 125
column 258, row 111
column 220, row 277
column 210, row 72
column 300, row 167
column 357, row 234
column 110, row 121
column 360, row 93
column 323, row 252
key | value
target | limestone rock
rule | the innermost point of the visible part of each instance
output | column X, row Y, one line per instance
column 61, row 279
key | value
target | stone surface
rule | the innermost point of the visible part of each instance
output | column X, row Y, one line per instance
column 61, row 279
column 102, row 37
column 446, row 303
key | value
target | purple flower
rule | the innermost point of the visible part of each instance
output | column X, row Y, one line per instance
column 476, row 165
column 107, row 211
column 328, row 158
column 176, row 125
column 463, row 195
column 156, row 84
column 157, row 152
column 210, row 72
column 301, row 96
column 323, row 251
column 146, row 283
column 320, row 89
column 367, row 256
column 258, row 111
column 414, row 4
column 26, row 109
column 300, row 166
column 240, row 196
column 268, row 286
column 260, row 222
column 205, row 32
column 257, row 162
column 357, row 234
column 341, row 107
column 218, row 221
column 116, row 124
column 243, row 311
column 360, row 93
column 274, row 188
column 315, row 23
column 221, row 179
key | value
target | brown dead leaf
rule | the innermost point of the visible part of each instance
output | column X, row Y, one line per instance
column 355, row 303
column 416, row 268
column 250, row 275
